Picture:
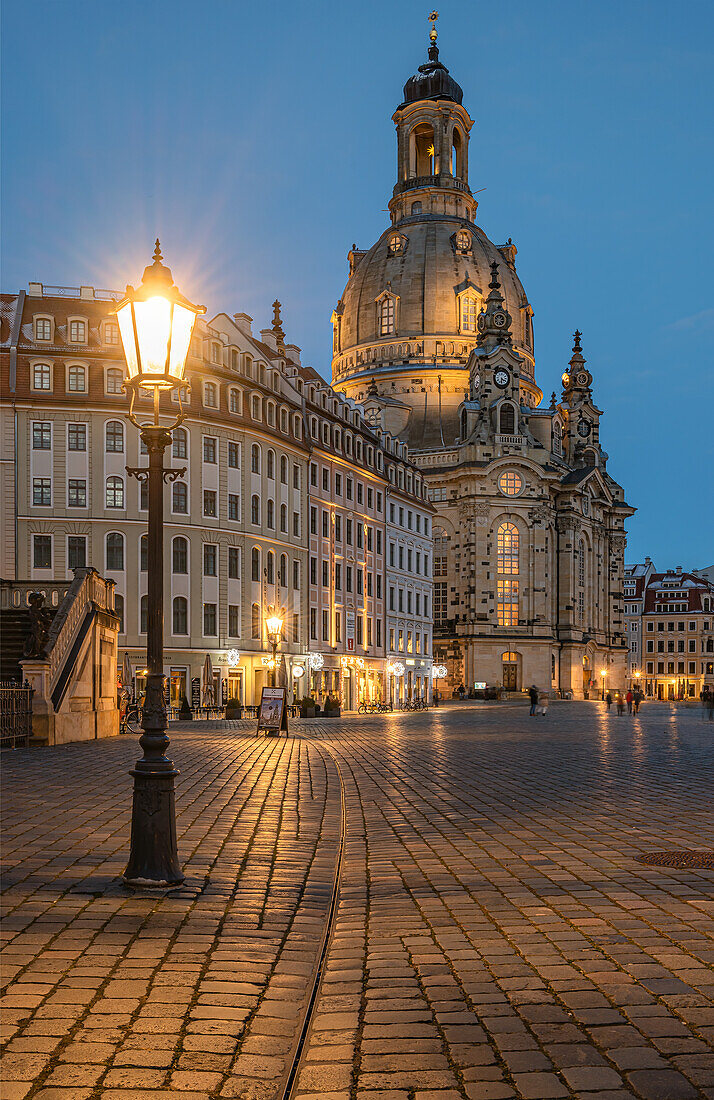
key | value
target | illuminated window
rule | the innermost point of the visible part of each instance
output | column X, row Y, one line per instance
column 510, row 483
column 396, row 243
column 507, row 602
column 469, row 312
column 440, row 603
column 111, row 333
column 507, row 549
column 386, row 316
column 463, row 240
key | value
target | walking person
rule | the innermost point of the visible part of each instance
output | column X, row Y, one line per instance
column 704, row 696
column 533, row 696
column 630, row 699
column 637, row 700
column 608, row 700
column 710, row 706
column 620, row 703
column 543, row 700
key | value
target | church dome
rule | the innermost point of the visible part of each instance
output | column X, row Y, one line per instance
column 432, row 81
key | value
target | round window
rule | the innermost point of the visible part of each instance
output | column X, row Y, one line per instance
column 510, row 483
column 396, row 243
column 463, row 240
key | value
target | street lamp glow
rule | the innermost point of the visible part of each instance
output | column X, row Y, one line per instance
column 603, row 672
column 274, row 624
column 156, row 323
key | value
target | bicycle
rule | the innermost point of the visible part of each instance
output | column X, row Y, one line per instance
column 130, row 722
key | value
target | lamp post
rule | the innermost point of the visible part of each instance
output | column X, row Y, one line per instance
column 603, row 673
column 274, row 623
column 156, row 323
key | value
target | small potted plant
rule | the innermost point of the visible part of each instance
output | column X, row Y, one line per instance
column 233, row 709
column 307, row 707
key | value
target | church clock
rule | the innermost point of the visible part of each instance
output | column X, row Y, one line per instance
column 501, row 377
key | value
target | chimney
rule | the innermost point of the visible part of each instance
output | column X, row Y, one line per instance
column 679, row 569
column 648, row 561
column 243, row 322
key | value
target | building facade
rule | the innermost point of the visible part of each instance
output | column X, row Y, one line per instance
column 238, row 541
column 677, row 629
column 636, row 579
column 433, row 335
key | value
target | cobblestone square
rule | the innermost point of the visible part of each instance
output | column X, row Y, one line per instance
column 494, row 933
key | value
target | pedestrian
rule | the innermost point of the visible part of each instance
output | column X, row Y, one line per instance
column 630, row 698
column 533, row 696
column 620, row 703
column 704, row 696
column 608, row 700
column 710, row 706
column 543, row 701
column 637, row 700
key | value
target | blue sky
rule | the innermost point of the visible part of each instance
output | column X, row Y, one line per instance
column 257, row 142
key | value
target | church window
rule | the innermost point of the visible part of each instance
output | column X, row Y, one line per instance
column 507, row 602
column 416, row 208
column 528, row 330
column 507, row 420
column 463, row 240
column 386, row 316
column 440, row 608
column 507, row 549
column 396, row 244
column 510, row 483
column 336, row 325
column 469, row 312
column 557, row 438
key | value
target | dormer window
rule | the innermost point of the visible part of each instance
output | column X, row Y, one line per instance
column 111, row 333
column 43, row 328
column 469, row 306
column 387, row 314
column 463, row 241
column 78, row 332
column 215, row 353
column 397, row 244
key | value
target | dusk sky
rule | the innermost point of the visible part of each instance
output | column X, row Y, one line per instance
column 256, row 141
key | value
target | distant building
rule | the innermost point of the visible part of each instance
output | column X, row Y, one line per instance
column 678, row 635
column 636, row 578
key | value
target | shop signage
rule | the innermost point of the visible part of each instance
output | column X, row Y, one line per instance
column 410, row 661
column 196, row 692
column 273, row 711
column 224, row 691
column 479, row 685
column 352, row 662
column 350, row 629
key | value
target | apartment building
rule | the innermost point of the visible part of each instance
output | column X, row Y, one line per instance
column 678, row 635
column 636, row 578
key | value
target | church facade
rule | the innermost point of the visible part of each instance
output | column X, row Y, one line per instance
column 433, row 335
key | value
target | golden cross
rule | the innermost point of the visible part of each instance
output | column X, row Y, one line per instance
column 433, row 16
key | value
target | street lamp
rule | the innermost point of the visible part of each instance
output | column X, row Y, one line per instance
column 155, row 322
column 274, row 624
column 603, row 673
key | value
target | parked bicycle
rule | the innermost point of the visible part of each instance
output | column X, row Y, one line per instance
column 374, row 708
column 415, row 704
column 130, row 721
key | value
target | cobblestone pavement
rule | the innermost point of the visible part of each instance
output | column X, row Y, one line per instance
column 495, row 934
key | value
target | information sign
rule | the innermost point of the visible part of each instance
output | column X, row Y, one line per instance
column 273, row 711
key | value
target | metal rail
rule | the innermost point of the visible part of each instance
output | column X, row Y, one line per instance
column 291, row 1081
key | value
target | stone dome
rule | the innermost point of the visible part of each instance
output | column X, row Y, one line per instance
column 427, row 276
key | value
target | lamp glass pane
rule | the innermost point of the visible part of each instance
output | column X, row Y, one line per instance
column 153, row 325
column 184, row 320
column 127, row 338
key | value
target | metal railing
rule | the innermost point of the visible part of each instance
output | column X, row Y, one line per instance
column 15, row 715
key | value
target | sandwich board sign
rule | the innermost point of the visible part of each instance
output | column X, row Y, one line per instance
column 273, row 711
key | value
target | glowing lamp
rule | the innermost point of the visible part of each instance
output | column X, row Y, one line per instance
column 275, row 625
column 603, row 672
column 156, row 323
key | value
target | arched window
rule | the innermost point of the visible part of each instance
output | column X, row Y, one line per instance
column 42, row 376
column 457, row 146
column 422, row 150
column 144, row 553
column 284, row 518
column 255, row 621
column 255, row 459
column 297, row 426
column 180, row 555
column 255, row 408
column 507, row 548
column 114, row 436
column 43, row 329
column 507, row 569
column 283, row 575
column 581, row 563
column 255, row 564
column 76, row 379
column 180, row 443
column 416, row 208
column 557, row 438
column 283, row 420
column 469, row 312
column 283, row 470
column 235, row 400
column 271, row 464
column 255, row 509
column 114, row 379
column 386, row 315
column 270, row 567
column 115, row 492
column 507, row 419
column 144, row 615
column 179, row 497
column 115, row 551
column 210, row 395
column 180, row 615
column 271, row 514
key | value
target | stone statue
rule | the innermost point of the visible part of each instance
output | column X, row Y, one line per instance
column 40, row 622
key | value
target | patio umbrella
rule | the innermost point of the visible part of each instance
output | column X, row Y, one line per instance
column 207, row 685
column 282, row 677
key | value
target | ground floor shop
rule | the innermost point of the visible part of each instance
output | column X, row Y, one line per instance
column 408, row 679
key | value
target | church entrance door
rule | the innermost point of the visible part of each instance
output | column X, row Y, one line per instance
column 510, row 676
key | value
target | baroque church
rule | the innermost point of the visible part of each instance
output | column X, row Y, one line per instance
column 433, row 335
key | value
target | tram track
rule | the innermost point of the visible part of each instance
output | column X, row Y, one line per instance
column 291, row 1080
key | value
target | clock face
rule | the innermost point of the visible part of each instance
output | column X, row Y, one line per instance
column 584, row 427
column 502, row 377
column 582, row 379
column 499, row 319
